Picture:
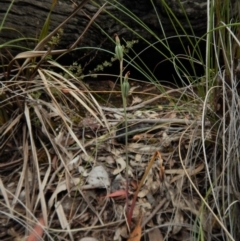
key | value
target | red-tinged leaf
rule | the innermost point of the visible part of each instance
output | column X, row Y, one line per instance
column 37, row 232
column 119, row 193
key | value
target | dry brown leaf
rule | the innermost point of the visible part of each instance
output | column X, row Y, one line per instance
column 138, row 157
column 88, row 239
column 155, row 235
column 74, row 163
column 151, row 114
column 122, row 231
column 60, row 188
column 143, row 193
column 138, row 137
column 90, row 122
column 133, row 88
column 136, row 100
column 170, row 115
column 178, row 219
column 111, row 84
column 120, row 168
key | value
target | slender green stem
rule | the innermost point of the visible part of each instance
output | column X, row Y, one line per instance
column 126, row 145
column 124, row 90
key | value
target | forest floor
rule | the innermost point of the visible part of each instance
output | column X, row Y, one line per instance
column 89, row 194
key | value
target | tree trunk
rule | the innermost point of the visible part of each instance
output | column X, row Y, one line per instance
column 26, row 18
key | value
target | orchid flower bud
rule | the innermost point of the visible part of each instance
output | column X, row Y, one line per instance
column 125, row 85
column 118, row 49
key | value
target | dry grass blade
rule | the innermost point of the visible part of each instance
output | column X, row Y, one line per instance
column 46, row 176
column 202, row 198
column 59, row 112
column 5, row 197
column 62, row 154
column 63, row 220
column 80, row 96
column 10, row 125
column 59, row 151
column 36, row 165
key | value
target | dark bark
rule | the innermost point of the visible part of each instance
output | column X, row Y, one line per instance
column 26, row 18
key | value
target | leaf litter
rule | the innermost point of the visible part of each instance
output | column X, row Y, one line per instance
column 85, row 189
